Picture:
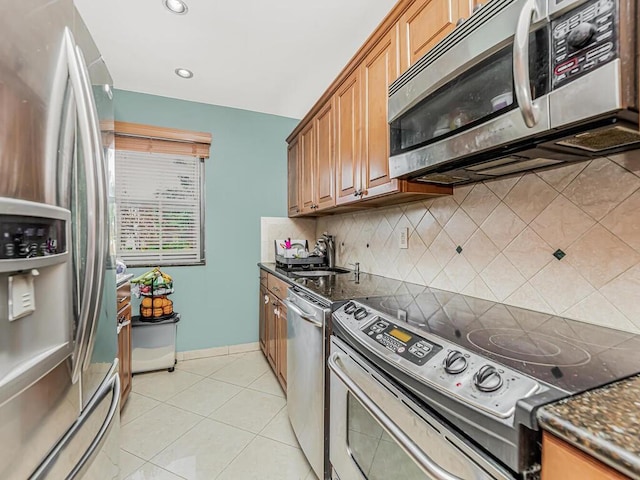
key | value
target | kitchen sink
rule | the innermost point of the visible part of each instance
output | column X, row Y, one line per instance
column 322, row 273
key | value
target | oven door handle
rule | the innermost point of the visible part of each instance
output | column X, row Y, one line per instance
column 298, row 311
column 530, row 111
column 426, row 464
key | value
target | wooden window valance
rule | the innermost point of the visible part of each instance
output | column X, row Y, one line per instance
column 136, row 137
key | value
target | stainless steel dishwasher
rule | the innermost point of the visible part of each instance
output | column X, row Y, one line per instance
column 307, row 318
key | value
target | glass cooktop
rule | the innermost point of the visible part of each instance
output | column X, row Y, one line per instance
column 567, row 354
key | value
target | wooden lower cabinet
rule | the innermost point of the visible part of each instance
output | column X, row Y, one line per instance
column 561, row 461
column 273, row 327
column 123, row 323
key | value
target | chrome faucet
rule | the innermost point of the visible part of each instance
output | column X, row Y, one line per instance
column 357, row 267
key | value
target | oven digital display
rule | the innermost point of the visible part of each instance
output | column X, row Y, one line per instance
column 400, row 335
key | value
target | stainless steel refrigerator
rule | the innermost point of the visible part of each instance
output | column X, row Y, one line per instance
column 59, row 386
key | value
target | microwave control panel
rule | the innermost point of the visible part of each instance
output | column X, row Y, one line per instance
column 29, row 237
column 583, row 39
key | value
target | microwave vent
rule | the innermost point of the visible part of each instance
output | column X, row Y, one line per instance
column 518, row 167
column 441, row 178
column 601, row 140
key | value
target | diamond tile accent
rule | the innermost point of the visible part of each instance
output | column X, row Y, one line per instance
column 561, row 223
column 480, row 202
column 529, row 197
column 600, row 257
column 502, row 226
column 624, row 222
column 559, row 254
column 601, row 187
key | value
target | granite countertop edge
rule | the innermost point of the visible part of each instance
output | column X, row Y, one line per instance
column 271, row 268
column 604, row 423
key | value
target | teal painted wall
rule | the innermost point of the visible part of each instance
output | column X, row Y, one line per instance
column 245, row 179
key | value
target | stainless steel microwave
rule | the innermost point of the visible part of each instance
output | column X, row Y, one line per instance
column 521, row 84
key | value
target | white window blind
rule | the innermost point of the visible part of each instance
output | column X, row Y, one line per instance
column 159, row 205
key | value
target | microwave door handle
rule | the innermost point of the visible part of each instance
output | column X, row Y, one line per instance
column 529, row 110
column 84, row 310
column 426, row 464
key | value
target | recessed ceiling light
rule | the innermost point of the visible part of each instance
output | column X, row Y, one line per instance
column 184, row 73
column 176, row 6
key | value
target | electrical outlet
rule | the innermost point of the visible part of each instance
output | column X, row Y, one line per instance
column 402, row 315
column 404, row 237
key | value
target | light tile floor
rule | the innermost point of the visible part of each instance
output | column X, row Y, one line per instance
column 212, row 418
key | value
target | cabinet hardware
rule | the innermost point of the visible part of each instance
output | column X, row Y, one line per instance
column 266, row 299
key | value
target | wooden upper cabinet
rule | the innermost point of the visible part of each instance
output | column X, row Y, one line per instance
column 424, row 24
column 293, row 179
column 324, row 178
column 378, row 71
column 307, row 160
column 347, row 143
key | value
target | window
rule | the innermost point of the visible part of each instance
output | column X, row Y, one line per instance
column 159, row 183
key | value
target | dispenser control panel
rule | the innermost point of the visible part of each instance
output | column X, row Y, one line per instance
column 29, row 237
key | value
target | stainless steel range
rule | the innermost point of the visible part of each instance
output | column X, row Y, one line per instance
column 448, row 385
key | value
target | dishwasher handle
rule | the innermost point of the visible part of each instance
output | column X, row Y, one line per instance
column 305, row 316
column 426, row 464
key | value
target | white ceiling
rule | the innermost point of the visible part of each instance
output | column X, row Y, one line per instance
column 273, row 56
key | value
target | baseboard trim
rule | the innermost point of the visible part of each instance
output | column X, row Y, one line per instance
column 218, row 351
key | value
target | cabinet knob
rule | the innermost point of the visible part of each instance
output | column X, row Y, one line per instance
column 266, row 299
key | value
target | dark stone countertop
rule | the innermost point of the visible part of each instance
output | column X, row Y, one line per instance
column 341, row 287
column 604, row 422
column 123, row 278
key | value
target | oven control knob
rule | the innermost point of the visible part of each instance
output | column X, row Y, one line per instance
column 349, row 308
column 360, row 313
column 487, row 379
column 455, row 362
column 581, row 35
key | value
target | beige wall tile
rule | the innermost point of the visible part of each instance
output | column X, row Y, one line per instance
column 428, row 267
column 480, row 202
column 428, row 229
column 560, row 177
column 529, row 253
column 460, row 272
column 479, row 250
column 624, row 221
column 478, row 288
column 461, row 192
column 561, row 286
column 502, row 277
column 600, row 256
column 460, row 227
column 561, row 223
column 529, row 197
column 414, row 212
column 502, row 226
column 601, row 187
column 597, row 309
column 443, row 248
column 443, row 209
column 528, row 297
column 628, row 160
column 502, row 186
column 624, row 292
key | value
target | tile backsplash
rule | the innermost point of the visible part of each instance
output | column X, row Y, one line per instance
column 274, row 228
column 508, row 231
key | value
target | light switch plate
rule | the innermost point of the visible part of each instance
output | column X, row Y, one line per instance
column 22, row 298
column 404, row 238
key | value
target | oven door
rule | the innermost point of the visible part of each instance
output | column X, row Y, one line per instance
column 376, row 432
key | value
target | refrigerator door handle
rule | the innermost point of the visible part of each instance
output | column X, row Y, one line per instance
column 112, row 385
column 98, row 164
column 87, row 301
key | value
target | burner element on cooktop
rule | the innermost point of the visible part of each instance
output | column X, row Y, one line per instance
column 529, row 347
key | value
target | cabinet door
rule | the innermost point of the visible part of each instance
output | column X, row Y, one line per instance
column 325, row 163
column 347, row 144
column 264, row 304
column 281, row 329
column 270, row 326
column 124, row 353
column 293, row 179
column 379, row 69
column 424, row 24
column 307, row 168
